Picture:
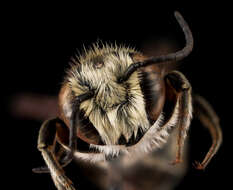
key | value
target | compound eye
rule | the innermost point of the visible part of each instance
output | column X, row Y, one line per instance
column 153, row 89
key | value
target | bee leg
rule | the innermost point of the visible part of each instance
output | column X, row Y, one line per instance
column 46, row 146
column 41, row 170
column 207, row 116
column 183, row 90
column 45, row 169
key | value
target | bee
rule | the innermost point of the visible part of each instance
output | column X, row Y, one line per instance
column 117, row 105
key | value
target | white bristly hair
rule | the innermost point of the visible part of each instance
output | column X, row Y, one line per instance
column 90, row 157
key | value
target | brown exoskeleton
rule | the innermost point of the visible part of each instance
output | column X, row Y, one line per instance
column 118, row 106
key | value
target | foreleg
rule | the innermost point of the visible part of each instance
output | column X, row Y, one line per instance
column 207, row 116
column 183, row 90
column 46, row 145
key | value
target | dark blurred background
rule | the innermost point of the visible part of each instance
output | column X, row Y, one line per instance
column 39, row 41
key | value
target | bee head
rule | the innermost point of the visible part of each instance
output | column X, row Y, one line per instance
column 115, row 109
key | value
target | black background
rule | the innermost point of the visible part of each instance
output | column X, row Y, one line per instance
column 39, row 40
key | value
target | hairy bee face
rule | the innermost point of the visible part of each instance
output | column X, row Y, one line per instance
column 117, row 109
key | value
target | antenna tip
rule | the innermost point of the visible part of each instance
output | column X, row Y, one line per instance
column 177, row 14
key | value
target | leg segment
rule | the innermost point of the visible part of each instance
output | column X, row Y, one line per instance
column 46, row 145
column 58, row 154
column 207, row 116
column 183, row 91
